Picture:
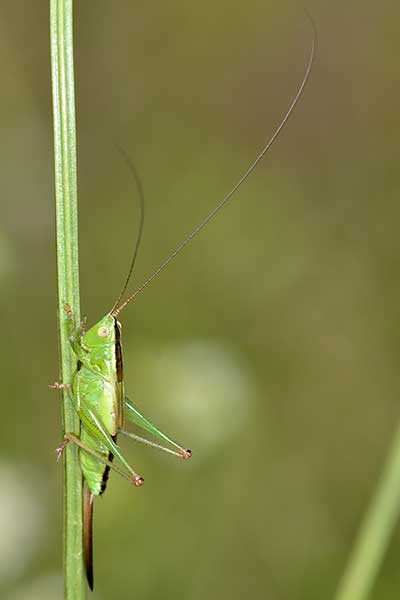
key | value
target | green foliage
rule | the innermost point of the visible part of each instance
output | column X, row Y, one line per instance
column 67, row 274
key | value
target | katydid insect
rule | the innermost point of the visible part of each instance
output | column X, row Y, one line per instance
column 97, row 390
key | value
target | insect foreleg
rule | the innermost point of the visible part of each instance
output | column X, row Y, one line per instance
column 59, row 386
column 79, row 351
column 83, row 356
column 74, row 332
column 83, row 326
column 136, row 417
column 75, row 336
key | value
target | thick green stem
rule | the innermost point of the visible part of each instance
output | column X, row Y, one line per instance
column 375, row 532
column 62, row 72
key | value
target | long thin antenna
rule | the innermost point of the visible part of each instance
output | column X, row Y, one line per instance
column 243, row 178
column 139, row 186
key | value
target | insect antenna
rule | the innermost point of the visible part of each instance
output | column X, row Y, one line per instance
column 242, row 179
column 139, row 187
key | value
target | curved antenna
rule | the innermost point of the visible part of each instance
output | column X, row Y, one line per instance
column 243, row 178
column 139, row 186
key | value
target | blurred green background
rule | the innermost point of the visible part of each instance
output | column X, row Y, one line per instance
column 270, row 348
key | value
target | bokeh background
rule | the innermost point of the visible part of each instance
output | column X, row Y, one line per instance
column 271, row 347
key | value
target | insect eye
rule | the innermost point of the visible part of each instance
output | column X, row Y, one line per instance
column 103, row 332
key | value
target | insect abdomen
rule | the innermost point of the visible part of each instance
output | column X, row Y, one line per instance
column 93, row 470
column 99, row 395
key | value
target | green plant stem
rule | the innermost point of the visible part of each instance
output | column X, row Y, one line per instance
column 62, row 72
column 375, row 532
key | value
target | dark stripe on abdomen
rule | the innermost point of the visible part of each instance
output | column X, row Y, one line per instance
column 106, row 472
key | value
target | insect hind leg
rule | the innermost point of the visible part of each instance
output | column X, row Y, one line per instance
column 135, row 416
column 184, row 454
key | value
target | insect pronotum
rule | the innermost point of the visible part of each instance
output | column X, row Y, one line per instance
column 97, row 389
